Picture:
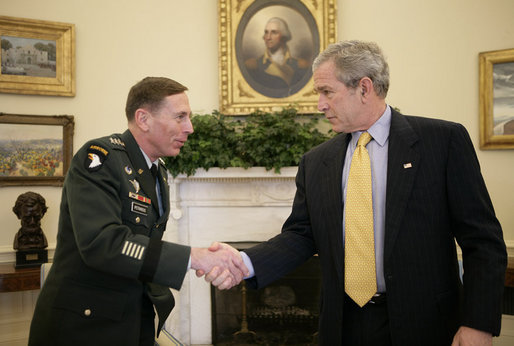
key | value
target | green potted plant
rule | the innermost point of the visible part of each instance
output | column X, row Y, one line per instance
column 271, row 140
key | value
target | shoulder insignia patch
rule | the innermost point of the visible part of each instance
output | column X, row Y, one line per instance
column 96, row 155
column 117, row 141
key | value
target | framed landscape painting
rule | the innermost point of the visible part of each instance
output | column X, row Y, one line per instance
column 37, row 57
column 35, row 149
column 497, row 99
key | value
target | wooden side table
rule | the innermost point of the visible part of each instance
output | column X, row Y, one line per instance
column 22, row 279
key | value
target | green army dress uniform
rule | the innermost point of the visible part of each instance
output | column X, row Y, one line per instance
column 110, row 261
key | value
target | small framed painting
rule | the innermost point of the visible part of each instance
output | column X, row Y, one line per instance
column 497, row 99
column 37, row 57
column 35, row 149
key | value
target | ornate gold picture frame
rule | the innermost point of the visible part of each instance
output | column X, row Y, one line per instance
column 35, row 149
column 249, row 79
column 37, row 57
column 497, row 99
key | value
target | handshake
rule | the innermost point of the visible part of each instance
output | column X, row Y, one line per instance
column 221, row 264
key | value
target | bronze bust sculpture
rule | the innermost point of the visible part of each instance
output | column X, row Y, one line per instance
column 30, row 208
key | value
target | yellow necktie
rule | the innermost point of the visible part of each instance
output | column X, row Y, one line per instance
column 360, row 281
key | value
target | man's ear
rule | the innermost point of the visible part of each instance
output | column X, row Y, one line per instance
column 141, row 117
column 366, row 86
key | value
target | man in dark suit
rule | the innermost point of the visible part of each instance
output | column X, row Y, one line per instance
column 427, row 194
column 111, row 268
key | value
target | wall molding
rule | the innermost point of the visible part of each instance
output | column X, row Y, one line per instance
column 8, row 255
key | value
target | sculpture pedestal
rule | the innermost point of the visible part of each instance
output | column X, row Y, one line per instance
column 31, row 258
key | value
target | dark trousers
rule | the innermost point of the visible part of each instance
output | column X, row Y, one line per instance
column 366, row 326
column 147, row 334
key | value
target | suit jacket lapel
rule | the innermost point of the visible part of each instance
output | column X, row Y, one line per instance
column 145, row 177
column 333, row 202
column 402, row 166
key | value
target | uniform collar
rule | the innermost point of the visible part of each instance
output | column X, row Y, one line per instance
column 147, row 159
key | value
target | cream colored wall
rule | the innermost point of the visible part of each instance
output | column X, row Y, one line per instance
column 432, row 48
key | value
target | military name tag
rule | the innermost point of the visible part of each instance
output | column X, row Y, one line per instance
column 139, row 208
column 140, row 198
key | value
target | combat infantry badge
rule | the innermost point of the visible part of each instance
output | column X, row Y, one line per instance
column 135, row 184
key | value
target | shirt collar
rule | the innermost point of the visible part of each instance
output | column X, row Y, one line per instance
column 379, row 130
column 147, row 159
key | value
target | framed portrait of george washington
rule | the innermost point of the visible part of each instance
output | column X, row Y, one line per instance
column 497, row 99
column 266, row 50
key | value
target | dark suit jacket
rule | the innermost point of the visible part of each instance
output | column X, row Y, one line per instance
column 109, row 254
column 440, row 199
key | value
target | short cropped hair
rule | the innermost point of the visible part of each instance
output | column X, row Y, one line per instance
column 150, row 92
column 357, row 59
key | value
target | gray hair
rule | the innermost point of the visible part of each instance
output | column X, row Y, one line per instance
column 284, row 29
column 354, row 60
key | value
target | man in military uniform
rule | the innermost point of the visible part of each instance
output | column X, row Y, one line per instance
column 111, row 267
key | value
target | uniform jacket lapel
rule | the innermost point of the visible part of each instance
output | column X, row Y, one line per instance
column 403, row 163
column 145, row 177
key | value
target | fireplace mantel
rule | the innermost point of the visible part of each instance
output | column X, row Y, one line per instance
column 265, row 187
column 238, row 173
column 229, row 205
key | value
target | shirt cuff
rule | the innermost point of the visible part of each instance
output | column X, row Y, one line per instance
column 248, row 263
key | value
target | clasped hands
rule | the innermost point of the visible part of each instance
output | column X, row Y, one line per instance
column 221, row 264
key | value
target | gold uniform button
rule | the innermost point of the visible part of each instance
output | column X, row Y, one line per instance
column 138, row 220
column 87, row 312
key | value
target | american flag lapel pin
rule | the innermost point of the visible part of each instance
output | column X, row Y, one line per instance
column 407, row 165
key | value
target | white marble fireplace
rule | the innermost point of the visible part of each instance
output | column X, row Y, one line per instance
column 229, row 205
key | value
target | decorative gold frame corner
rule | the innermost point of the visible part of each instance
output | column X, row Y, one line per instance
column 64, row 35
column 236, row 95
column 487, row 60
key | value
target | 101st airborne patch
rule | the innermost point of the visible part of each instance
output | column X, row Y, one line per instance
column 96, row 155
